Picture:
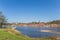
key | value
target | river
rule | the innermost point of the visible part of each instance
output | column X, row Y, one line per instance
column 37, row 32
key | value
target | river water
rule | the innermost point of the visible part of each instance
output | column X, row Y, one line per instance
column 37, row 33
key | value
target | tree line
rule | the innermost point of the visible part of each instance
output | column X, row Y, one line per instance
column 3, row 21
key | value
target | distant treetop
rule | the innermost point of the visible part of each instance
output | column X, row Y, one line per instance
column 54, row 22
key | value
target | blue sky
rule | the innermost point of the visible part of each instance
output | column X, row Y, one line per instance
column 30, row 10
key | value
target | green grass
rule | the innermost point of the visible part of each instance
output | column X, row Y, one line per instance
column 7, row 36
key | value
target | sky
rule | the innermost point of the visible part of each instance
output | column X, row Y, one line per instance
column 30, row 10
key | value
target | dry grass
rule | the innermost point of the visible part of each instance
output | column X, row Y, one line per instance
column 10, row 30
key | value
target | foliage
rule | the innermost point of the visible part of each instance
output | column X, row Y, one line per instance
column 2, row 20
column 54, row 22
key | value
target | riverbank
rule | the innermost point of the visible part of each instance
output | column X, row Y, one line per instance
column 13, row 31
column 6, row 35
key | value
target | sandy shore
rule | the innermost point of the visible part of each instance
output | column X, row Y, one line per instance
column 51, row 31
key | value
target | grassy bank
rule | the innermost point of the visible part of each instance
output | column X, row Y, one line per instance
column 5, row 35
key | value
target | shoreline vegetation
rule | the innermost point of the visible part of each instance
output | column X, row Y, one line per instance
column 52, row 24
column 14, row 32
column 35, row 25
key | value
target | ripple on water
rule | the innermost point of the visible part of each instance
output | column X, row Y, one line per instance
column 39, row 32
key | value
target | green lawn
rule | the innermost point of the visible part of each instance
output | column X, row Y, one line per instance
column 8, row 36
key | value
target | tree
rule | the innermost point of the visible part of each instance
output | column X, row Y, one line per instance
column 2, row 20
column 54, row 22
